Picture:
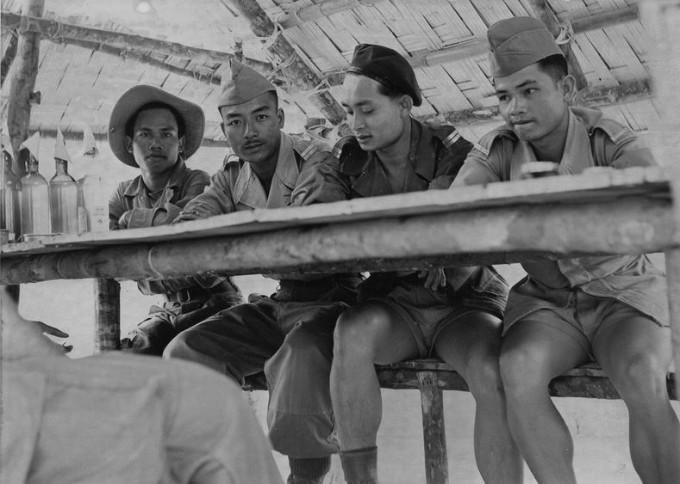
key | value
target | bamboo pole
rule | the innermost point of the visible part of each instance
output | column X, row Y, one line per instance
column 291, row 64
column 22, row 82
column 497, row 234
column 662, row 20
column 107, row 315
column 543, row 11
column 55, row 30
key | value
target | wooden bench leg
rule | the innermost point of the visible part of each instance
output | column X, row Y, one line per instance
column 106, row 315
column 673, row 275
column 434, row 433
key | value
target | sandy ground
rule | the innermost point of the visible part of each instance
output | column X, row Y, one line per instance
column 599, row 427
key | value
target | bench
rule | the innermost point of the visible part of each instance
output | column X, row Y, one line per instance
column 432, row 376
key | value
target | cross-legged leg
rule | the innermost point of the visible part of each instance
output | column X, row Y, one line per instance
column 532, row 354
column 636, row 353
column 471, row 345
column 364, row 335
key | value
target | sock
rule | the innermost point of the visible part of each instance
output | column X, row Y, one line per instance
column 311, row 470
column 360, row 465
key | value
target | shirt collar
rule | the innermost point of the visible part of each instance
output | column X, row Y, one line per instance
column 137, row 187
column 248, row 189
column 576, row 156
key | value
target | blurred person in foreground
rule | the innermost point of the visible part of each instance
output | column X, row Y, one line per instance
column 119, row 418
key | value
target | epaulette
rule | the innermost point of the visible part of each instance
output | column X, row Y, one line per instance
column 229, row 159
column 486, row 142
column 619, row 133
column 446, row 133
column 306, row 148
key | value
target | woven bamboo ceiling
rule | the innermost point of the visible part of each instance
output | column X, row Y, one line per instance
column 91, row 51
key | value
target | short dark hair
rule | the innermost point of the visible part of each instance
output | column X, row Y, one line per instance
column 130, row 125
column 555, row 66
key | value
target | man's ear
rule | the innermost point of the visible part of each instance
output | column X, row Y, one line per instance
column 568, row 86
column 281, row 115
column 406, row 104
column 224, row 128
column 180, row 142
column 128, row 144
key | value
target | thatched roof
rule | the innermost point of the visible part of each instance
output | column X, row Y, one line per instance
column 91, row 51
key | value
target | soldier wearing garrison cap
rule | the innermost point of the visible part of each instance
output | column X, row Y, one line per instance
column 157, row 132
column 567, row 312
column 291, row 331
column 410, row 314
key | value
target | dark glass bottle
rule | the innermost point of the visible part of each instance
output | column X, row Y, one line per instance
column 10, row 215
column 63, row 200
column 34, row 200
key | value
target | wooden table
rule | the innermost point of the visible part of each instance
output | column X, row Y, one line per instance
column 597, row 213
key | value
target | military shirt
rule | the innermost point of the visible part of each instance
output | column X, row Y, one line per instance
column 132, row 196
column 592, row 140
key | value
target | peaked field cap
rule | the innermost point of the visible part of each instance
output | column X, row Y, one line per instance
column 243, row 85
column 387, row 67
column 518, row 42
column 136, row 97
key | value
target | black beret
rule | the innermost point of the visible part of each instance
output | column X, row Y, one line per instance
column 387, row 67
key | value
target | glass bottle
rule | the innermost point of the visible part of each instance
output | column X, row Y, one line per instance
column 93, row 205
column 34, row 200
column 10, row 216
column 63, row 200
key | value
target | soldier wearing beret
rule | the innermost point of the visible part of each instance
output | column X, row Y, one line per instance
column 157, row 132
column 288, row 335
column 567, row 312
column 453, row 313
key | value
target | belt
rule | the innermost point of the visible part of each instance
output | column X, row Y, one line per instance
column 197, row 292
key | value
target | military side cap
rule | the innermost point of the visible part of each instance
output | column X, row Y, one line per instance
column 129, row 104
column 387, row 67
column 518, row 42
column 243, row 85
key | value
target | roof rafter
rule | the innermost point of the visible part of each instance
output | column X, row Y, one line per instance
column 129, row 43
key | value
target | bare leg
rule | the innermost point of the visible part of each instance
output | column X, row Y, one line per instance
column 364, row 335
column 636, row 353
column 471, row 346
column 532, row 354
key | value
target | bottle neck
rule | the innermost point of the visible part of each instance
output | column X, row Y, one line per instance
column 62, row 166
column 32, row 165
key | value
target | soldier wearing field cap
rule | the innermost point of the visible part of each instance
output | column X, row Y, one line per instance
column 564, row 313
column 158, row 132
column 288, row 335
column 452, row 313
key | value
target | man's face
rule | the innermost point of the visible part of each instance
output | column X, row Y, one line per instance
column 155, row 141
column 253, row 129
column 531, row 102
column 376, row 120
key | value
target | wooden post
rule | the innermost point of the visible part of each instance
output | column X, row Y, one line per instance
column 434, row 432
column 290, row 62
column 661, row 19
column 22, row 82
column 543, row 11
column 106, row 315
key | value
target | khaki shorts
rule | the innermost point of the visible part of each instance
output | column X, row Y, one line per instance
column 582, row 315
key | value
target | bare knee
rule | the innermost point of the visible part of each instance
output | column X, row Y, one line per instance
column 520, row 371
column 482, row 374
column 358, row 330
column 640, row 377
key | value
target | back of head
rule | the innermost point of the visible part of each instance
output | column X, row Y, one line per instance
column 517, row 42
column 387, row 67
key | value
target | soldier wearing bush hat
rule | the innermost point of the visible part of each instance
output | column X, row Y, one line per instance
column 157, row 132
column 290, row 331
column 408, row 314
column 565, row 313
